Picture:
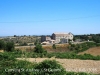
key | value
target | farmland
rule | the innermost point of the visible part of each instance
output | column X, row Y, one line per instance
column 93, row 51
column 60, row 48
column 75, row 65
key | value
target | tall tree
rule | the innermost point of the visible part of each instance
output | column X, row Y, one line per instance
column 2, row 44
column 38, row 48
column 10, row 46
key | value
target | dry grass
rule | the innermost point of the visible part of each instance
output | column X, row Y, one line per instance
column 1, row 50
column 75, row 65
column 60, row 48
column 93, row 51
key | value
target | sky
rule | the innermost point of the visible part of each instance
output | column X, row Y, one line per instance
column 44, row 17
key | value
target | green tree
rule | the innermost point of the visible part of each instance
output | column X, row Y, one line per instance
column 54, row 46
column 36, row 42
column 38, row 48
column 2, row 44
column 9, row 46
column 24, row 44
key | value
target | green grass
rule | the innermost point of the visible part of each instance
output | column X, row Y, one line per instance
column 67, row 55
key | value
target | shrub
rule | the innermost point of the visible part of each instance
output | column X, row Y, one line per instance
column 72, row 55
column 23, row 44
column 98, row 44
column 54, row 46
column 9, row 46
column 2, row 45
column 39, row 49
column 82, row 47
column 8, row 62
column 50, row 67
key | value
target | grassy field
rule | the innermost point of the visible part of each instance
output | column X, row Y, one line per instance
column 75, row 65
column 59, row 48
column 93, row 51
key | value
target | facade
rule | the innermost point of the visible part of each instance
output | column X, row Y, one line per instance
column 62, row 37
column 45, row 38
column 57, row 38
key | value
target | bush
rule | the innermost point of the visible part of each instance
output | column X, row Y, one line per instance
column 82, row 47
column 54, row 46
column 73, row 55
column 8, row 62
column 23, row 44
column 98, row 44
column 50, row 67
column 9, row 46
column 39, row 49
column 2, row 44
column 6, row 56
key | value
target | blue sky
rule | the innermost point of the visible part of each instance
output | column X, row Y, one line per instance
column 42, row 17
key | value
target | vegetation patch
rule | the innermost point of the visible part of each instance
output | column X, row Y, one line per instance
column 11, row 66
column 82, row 47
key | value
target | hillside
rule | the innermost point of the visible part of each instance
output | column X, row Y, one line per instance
column 93, row 51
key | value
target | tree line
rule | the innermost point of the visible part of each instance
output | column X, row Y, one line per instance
column 91, row 37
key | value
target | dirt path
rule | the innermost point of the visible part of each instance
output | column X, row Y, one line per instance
column 75, row 65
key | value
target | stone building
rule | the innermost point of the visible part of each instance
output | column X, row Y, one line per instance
column 57, row 38
column 45, row 38
column 62, row 37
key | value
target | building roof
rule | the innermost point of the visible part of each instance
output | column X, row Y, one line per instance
column 59, row 33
